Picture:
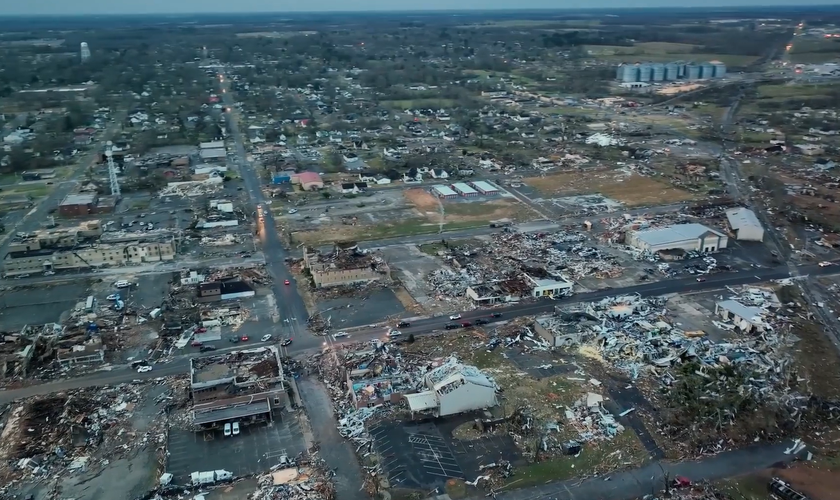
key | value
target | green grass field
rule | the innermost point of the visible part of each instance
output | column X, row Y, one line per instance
column 814, row 51
column 663, row 52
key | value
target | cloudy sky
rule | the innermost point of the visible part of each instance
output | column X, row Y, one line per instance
column 71, row 7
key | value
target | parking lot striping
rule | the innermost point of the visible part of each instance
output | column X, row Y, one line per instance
column 436, row 454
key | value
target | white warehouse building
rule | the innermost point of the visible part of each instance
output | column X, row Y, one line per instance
column 688, row 237
column 453, row 388
column 745, row 224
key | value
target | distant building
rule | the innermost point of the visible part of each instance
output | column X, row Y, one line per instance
column 84, row 51
column 308, row 181
column 628, row 74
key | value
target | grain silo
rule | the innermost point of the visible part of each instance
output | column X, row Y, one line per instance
column 628, row 73
column 644, row 72
column 692, row 72
column 720, row 69
column 673, row 71
column 707, row 71
column 657, row 72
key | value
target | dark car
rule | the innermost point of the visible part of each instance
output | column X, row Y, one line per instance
column 403, row 324
column 235, row 340
column 481, row 321
column 206, row 348
column 466, row 324
column 286, row 342
column 496, row 315
column 452, row 326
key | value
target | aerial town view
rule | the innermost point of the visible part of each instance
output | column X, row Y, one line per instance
column 329, row 251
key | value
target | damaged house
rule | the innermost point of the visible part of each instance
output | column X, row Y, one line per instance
column 453, row 388
column 345, row 265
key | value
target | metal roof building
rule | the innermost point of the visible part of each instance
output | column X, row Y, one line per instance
column 745, row 224
column 485, row 187
column 464, row 189
column 444, row 191
column 688, row 237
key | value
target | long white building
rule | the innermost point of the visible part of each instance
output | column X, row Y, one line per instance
column 689, row 237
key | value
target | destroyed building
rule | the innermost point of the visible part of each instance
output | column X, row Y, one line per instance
column 518, row 287
column 343, row 266
column 680, row 237
column 78, row 248
column 453, row 388
column 238, row 385
column 745, row 224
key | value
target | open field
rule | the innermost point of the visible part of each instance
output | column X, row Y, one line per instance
column 663, row 52
column 791, row 91
column 814, row 51
column 631, row 190
column 409, row 227
column 479, row 210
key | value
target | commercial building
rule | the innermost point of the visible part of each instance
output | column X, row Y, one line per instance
column 745, row 318
column 453, row 388
column 308, row 181
column 236, row 386
column 69, row 249
column 484, row 187
column 444, row 192
column 464, row 189
column 745, row 224
column 78, row 204
column 344, row 266
column 89, row 353
column 686, row 237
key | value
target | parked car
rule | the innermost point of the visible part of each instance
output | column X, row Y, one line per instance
column 113, row 296
column 144, row 369
column 403, row 324
column 228, row 430
column 286, row 342
column 825, row 264
column 293, row 211
column 452, row 326
column 265, row 338
column 455, row 316
column 496, row 315
column 394, row 333
column 481, row 321
column 195, row 343
column 235, row 428
column 465, row 324
column 200, row 329
column 122, row 284
column 234, row 340
column 206, row 348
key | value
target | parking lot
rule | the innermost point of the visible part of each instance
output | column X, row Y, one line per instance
column 255, row 449
column 415, row 455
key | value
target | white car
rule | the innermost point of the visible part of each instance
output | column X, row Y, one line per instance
column 340, row 335
column 113, row 296
column 122, row 284
column 825, row 264
column 265, row 338
column 228, row 430
column 293, row 211
column 455, row 316
column 394, row 333
column 144, row 369
column 235, row 428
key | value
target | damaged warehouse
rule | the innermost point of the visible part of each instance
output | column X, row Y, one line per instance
column 346, row 264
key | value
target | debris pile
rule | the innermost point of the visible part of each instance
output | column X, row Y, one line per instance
column 302, row 479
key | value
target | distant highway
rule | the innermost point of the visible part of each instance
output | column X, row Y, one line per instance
column 429, row 325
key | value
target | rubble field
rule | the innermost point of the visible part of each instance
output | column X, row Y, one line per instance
column 478, row 209
column 818, row 483
column 626, row 187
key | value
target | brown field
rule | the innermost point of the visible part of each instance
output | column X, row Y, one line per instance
column 632, row 190
column 459, row 212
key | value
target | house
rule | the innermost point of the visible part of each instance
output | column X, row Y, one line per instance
column 367, row 177
column 453, row 388
column 439, row 173
column 353, row 187
column 412, row 176
column 382, row 180
column 308, row 181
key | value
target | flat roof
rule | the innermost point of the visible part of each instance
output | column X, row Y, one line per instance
column 742, row 217
column 213, row 153
column 230, row 413
column 751, row 314
column 674, row 234
column 79, row 199
column 444, row 190
column 212, row 145
column 464, row 188
column 484, row 186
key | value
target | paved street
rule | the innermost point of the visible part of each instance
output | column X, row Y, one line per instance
column 293, row 314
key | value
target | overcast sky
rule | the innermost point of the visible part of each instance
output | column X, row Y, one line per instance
column 71, row 7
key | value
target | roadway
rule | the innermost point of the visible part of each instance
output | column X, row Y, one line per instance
column 290, row 306
column 308, row 343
